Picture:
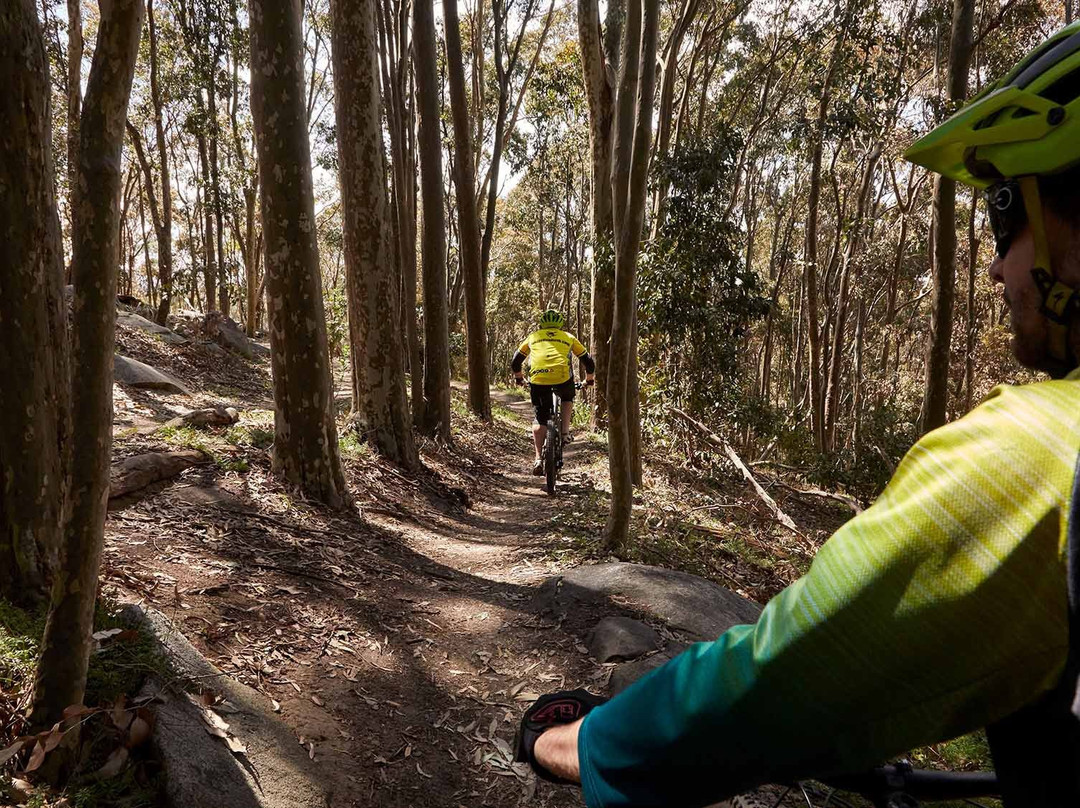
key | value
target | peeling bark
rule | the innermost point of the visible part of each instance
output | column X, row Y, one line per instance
column 33, row 356
column 433, row 236
column 372, row 278
column 305, row 434
column 633, row 136
column 65, row 647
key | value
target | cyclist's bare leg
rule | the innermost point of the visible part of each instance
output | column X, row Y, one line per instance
column 567, row 416
column 539, row 436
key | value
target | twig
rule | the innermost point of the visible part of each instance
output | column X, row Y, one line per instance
column 846, row 499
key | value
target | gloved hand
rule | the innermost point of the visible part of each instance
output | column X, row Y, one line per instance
column 564, row 707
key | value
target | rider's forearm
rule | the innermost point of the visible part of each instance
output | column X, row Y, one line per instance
column 589, row 363
column 937, row 611
column 557, row 751
column 517, row 362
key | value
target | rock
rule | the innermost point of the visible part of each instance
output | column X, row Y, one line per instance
column 206, row 495
column 616, row 639
column 699, row 608
column 135, row 473
column 228, row 334
column 629, row 672
column 211, row 416
column 133, row 373
column 200, row 771
column 213, row 349
column 130, row 320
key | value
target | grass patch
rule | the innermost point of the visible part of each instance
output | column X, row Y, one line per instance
column 184, row 437
column 250, row 435
column 353, row 447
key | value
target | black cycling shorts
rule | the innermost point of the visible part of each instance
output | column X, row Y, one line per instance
column 542, row 400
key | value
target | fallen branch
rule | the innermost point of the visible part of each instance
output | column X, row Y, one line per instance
column 846, row 499
column 717, row 442
column 211, row 416
column 136, row 473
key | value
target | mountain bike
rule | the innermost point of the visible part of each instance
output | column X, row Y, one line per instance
column 553, row 444
column 894, row 786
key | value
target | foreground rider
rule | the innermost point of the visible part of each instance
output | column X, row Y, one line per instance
column 550, row 374
column 941, row 609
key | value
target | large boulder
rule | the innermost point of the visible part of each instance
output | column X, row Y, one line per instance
column 131, row 320
column 698, row 608
column 228, row 334
column 133, row 373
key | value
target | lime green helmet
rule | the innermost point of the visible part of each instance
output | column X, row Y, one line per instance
column 552, row 319
column 1025, row 124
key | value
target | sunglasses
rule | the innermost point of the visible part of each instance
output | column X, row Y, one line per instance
column 1008, row 216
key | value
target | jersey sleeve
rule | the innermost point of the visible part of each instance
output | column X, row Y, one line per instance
column 523, row 348
column 939, row 610
column 577, row 347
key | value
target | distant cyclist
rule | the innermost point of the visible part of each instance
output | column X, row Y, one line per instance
column 550, row 373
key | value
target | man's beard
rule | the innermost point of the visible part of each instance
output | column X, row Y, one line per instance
column 1031, row 340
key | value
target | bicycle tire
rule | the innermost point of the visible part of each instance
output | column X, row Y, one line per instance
column 551, row 457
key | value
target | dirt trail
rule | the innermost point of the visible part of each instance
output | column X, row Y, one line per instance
column 401, row 644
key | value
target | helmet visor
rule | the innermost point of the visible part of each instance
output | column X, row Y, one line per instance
column 1008, row 216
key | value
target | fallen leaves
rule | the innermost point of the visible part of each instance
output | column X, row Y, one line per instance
column 215, row 725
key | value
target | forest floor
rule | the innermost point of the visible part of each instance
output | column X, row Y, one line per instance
column 399, row 640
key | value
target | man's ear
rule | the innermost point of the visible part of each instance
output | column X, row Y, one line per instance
column 1063, row 241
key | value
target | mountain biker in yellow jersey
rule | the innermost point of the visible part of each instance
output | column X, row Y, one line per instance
column 550, row 373
column 953, row 603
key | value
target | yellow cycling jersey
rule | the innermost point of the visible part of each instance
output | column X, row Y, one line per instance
column 549, row 355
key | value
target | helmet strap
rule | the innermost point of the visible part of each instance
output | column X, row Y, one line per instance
column 1060, row 303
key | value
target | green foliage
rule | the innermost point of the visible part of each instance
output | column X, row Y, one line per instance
column 250, row 435
column 697, row 299
column 352, row 445
column 337, row 322
column 184, row 437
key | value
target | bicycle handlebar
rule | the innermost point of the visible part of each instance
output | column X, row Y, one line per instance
column 922, row 784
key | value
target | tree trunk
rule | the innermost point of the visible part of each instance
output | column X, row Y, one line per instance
column 215, row 179
column 972, row 324
column 393, row 31
column 372, row 279
column 209, row 263
column 936, row 400
column 74, row 98
column 468, row 220
column 305, row 434
column 667, row 102
column 836, row 354
column 601, row 98
column 433, row 238
column 32, row 446
column 815, row 368
column 164, row 234
column 632, row 137
column 65, row 647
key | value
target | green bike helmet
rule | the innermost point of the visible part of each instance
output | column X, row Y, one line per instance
column 1025, row 124
column 552, row 319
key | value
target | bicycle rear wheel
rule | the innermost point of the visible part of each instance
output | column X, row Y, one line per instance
column 551, row 457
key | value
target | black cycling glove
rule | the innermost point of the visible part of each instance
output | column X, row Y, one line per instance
column 564, row 707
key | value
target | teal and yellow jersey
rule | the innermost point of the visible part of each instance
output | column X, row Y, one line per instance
column 937, row 611
column 549, row 353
